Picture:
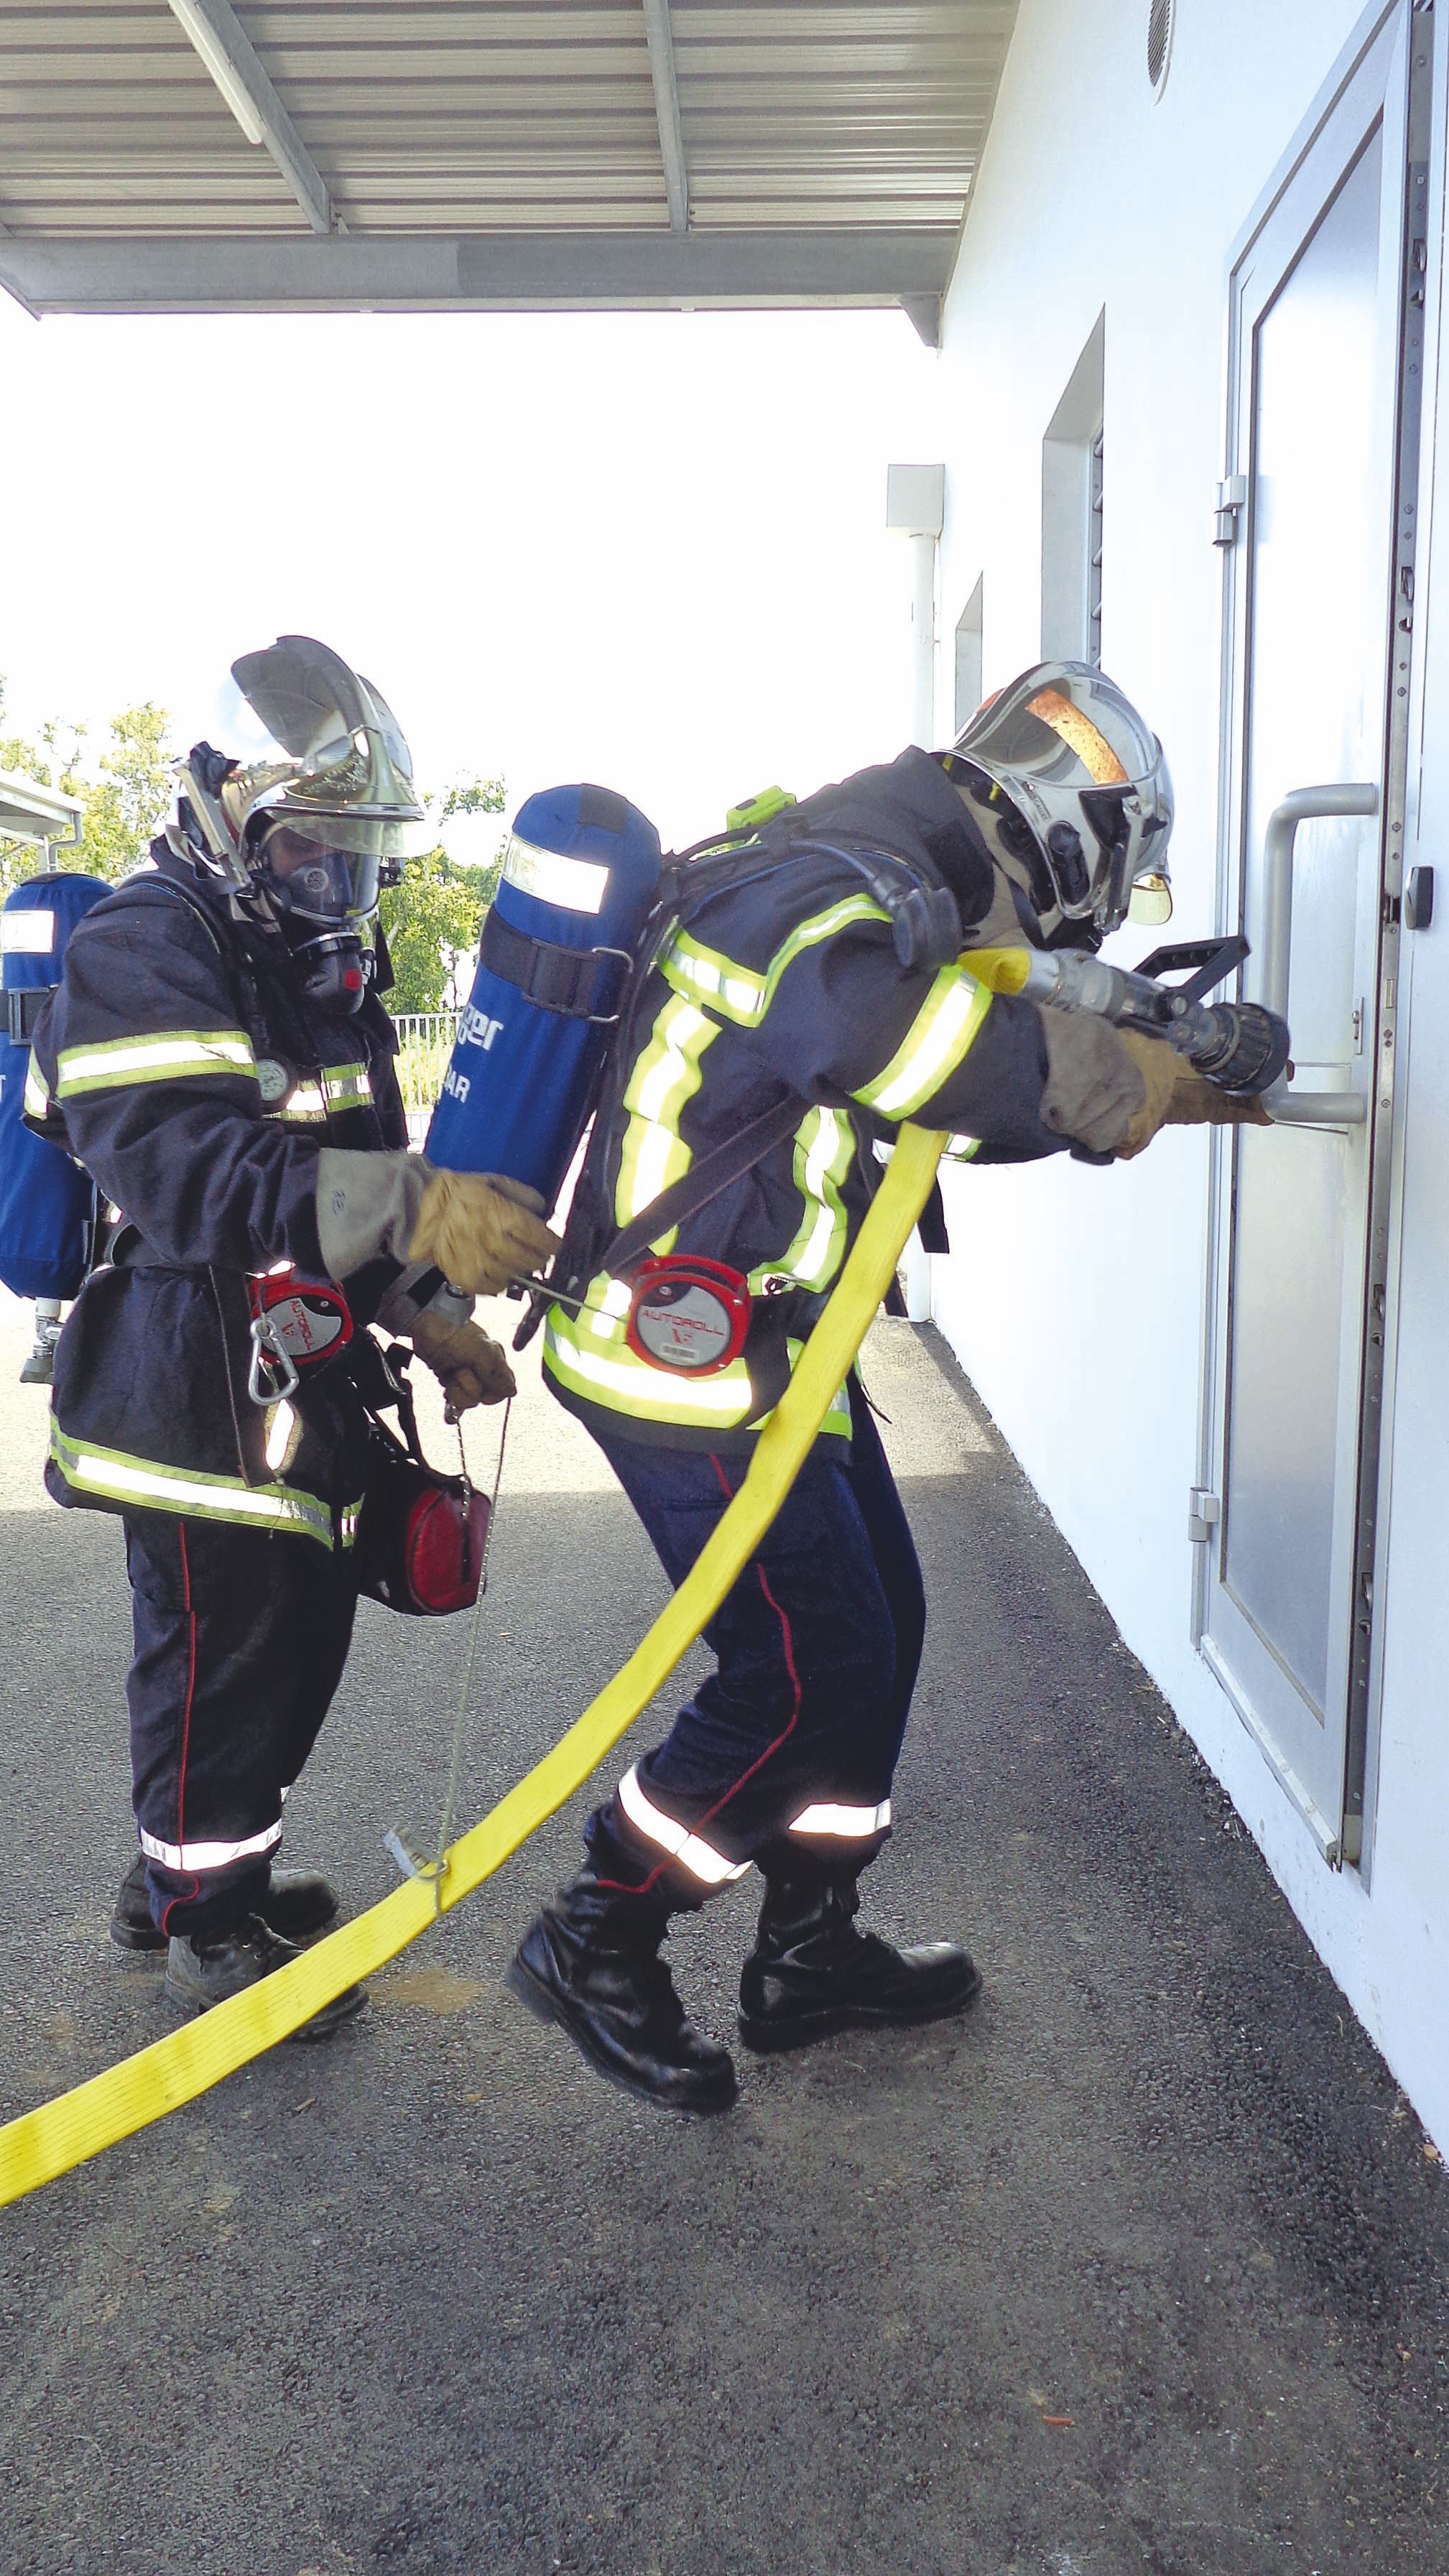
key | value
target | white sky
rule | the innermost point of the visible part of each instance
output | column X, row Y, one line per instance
column 644, row 549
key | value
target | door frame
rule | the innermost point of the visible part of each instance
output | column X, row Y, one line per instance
column 1368, row 61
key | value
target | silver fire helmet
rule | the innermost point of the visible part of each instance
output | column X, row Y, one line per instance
column 1089, row 780
column 342, row 778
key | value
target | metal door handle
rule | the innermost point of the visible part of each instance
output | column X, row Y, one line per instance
column 1306, row 805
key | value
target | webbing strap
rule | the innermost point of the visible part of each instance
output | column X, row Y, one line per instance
column 48, row 2141
column 582, row 983
column 23, row 1009
column 702, row 1182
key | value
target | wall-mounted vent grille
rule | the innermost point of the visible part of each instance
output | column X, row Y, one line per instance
column 1160, row 17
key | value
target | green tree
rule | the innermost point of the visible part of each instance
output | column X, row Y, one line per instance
column 50, row 764
column 131, row 799
column 122, row 807
column 432, row 920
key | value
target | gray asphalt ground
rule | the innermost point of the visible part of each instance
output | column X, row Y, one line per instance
column 1139, row 2267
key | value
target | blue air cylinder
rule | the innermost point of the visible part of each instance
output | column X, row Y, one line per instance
column 45, row 1199
column 579, row 876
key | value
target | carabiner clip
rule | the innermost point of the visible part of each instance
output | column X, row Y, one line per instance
column 271, row 1361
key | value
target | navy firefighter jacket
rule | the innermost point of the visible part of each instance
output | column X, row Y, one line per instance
column 181, row 1063
column 783, row 985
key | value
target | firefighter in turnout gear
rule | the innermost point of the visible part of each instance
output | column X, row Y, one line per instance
column 814, row 966
column 218, row 1058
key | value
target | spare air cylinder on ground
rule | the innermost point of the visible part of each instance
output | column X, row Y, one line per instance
column 46, row 1200
column 579, row 876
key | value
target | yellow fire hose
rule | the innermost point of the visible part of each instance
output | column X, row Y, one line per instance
column 48, row 2141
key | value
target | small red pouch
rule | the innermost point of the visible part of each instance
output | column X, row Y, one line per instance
column 422, row 1537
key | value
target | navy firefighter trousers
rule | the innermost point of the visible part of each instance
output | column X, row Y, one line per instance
column 790, row 1746
column 240, row 1640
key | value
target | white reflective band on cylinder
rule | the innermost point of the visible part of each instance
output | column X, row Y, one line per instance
column 850, row 1824
column 27, row 934
column 699, row 1858
column 198, row 1856
column 575, row 885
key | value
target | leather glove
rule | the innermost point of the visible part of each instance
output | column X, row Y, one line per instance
column 1093, row 1087
column 1179, row 1097
column 1160, row 1068
column 1197, row 1103
column 482, row 1231
column 469, row 1367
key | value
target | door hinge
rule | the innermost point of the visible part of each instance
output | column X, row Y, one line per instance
column 1204, row 1511
column 1231, row 502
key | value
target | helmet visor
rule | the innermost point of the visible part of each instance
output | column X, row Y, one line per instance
column 1066, row 724
column 1088, row 776
column 320, row 881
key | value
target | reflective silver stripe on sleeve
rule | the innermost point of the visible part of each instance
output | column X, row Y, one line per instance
column 203, row 1856
column 847, row 1824
column 697, row 1856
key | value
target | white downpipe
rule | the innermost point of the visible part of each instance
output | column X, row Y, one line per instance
column 915, row 507
column 923, row 638
column 916, row 1265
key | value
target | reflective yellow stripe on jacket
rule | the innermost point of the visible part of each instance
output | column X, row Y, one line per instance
column 588, row 1355
column 338, row 1086
column 938, row 1037
column 824, row 1152
column 113, row 1477
column 738, row 992
column 666, row 1076
column 178, row 1055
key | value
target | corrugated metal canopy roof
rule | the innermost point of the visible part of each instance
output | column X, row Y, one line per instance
column 428, row 153
column 30, row 812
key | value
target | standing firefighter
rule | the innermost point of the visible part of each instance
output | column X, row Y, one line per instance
column 218, row 1058
column 807, row 981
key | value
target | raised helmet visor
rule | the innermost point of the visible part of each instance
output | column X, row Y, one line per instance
column 1089, row 779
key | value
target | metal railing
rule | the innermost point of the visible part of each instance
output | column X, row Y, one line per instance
column 425, row 1042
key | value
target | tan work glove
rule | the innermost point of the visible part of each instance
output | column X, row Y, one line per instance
column 1178, row 1097
column 1160, row 1068
column 469, row 1367
column 1093, row 1087
column 481, row 1230
column 1196, row 1103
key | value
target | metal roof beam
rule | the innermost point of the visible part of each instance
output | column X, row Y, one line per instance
column 234, row 64
column 660, row 34
column 483, row 272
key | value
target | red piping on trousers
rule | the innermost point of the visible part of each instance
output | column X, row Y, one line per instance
column 185, row 1722
column 761, row 1758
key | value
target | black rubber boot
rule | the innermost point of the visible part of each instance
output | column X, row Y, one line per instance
column 590, row 1962
column 810, row 1971
column 202, row 1973
column 297, row 1901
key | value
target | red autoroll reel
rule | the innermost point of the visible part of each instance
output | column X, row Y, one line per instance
column 688, row 1313
column 309, row 1319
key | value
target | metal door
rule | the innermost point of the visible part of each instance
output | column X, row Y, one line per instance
column 1320, row 459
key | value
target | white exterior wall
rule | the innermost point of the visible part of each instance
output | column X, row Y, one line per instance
column 1075, row 1297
